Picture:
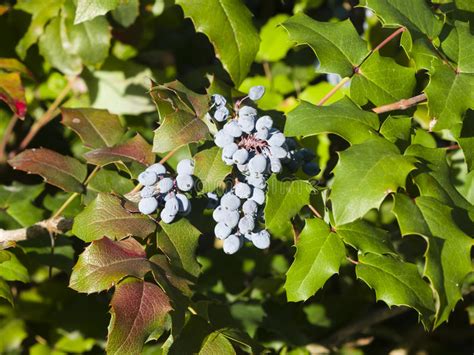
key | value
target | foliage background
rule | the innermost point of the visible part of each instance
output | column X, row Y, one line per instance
column 108, row 64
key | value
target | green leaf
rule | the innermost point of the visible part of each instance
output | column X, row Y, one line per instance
column 87, row 10
column 210, row 169
column 433, row 176
column 381, row 81
column 343, row 118
column 53, row 48
column 136, row 149
column 448, row 260
column 18, row 192
column 12, row 333
column 97, row 128
column 105, row 216
column 397, row 283
column 397, row 129
column 13, row 270
column 459, row 46
column 105, row 262
column 179, row 240
column 25, row 212
column 366, row 238
column 64, row 172
column 5, row 292
column 415, row 15
column 216, row 343
column 137, row 309
column 13, row 93
column 274, row 40
column 127, row 12
column 466, row 139
column 178, row 129
column 450, row 95
column 284, row 200
column 365, row 175
column 228, row 24
column 337, row 44
column 319, row 255
column 42, row 11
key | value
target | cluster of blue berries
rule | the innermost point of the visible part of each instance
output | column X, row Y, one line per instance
column 161, row 189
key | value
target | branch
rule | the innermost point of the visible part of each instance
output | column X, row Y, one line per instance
column 55, row 225
column 389, row 38
column 400, row 105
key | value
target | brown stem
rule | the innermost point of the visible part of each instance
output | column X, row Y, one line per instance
column 267, row 70
column 400, row 105
column 388, row 39
column 452, row 147
column 333, row 91
column 47, row 116
column 315, row 211
column 6, row 137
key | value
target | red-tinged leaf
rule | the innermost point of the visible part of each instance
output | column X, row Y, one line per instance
column 59, row 170
column 135, row 150
column 105, row 216
column 105, row 262
column 13, row 65
column 13, row 93
column 97, row 128
column 137, row 309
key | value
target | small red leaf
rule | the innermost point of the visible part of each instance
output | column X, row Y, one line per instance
column 13, row 93
column 59, row 170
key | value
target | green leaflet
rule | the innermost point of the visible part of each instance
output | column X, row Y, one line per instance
column 319, row 255
column 365, row 175
column 284, row 200
column 397, row 283
column 210, row 169
column 337, row 44
column 343, row 118
column 228, row 24
column 87, row 10
column 448, row 248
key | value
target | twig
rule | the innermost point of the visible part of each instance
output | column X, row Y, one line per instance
column 47, row 116
column 388, row 39
column 6, row 137
column 315, row 211
column 267, row 70
column 452, row 147
column 371, row 319
column 400, row 105
column 53, row 225
column 333, row 91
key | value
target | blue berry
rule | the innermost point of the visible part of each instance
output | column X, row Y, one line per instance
column 222, row 231
column 233, row 129
column 258, row 196
column 232, row 244
column 240, row 156
column 246, row 224
column 230, row 202
column 165, row 185
column 258, row 164
column 250, row 207
column 158, row 169
column 148, row 205
column 184, row 182
column 311, row 169
column 147, row 178
column 261, row 239
column 222, row 139
column 242, row 190
column 218, row 100
column 185, row 167
column 264, row 122
column 229, row 150
column 221, row 113
column 256, row 92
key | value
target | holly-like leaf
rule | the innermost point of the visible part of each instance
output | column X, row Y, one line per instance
column 415, row 15
column 381, row 81
column 105, row 262
column 13, row 93
column 127, row 12
column 365, row 175
column 275, row 42
column 136, row 149
column 319, row 255
column 97, row 128
column 5, row 291
column 397, row 129
column 343, row 118
column 459, row 46
column 366, row 238
column 87, row 10
column 284, row 200
column 64, row 172
column 337, row 44
column 216, row 343
column 13, row 270
column 433, row 176
column 228, row 24
column 178, row 129
column 210, row 169
column 42, row 11
column 179, row 240
column 448, row 259
column 397, row 283
column 466, row 139
column 106, row 216
column 137, row 309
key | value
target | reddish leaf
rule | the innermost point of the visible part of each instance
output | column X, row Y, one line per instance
column 97, row 128
column 12, row 92
column 136, row 149
column 62, row 171
column 13, row 65
column 105, row 262
column 137, row 309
